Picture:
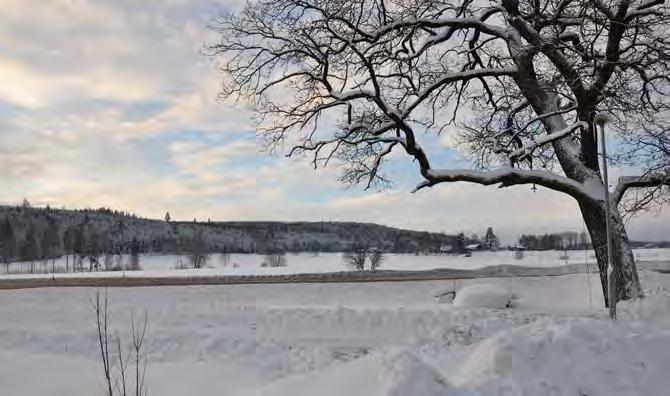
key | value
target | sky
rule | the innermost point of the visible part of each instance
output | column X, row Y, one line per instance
column 112, row 103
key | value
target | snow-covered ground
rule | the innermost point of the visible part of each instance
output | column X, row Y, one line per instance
column 250, row 264
column 347, row 339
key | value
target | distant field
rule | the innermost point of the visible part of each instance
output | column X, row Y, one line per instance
column 209, row 276
column 310, row 263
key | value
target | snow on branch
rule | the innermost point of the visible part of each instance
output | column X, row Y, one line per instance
column 508, row 176
column 458, row 76
column 352, row 95
column 645, row 8
column 457, row 23
column 525, row 151
column 649, row 180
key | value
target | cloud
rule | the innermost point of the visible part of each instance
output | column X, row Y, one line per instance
column 113, row 104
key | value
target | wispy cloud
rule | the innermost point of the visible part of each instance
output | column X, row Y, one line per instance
column 111, row 103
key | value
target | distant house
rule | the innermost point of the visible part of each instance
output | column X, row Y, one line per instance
column 445, row 249
column 474, row 247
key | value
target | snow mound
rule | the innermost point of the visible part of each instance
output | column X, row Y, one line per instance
column 569, row 357
column 483, row 295
column 405, row 374
column 654, row 308
column 389, row 374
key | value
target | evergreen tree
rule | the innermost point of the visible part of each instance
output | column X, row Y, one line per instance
column 491, row 240
column 30, row 249
column 135, row 255
column 460, row 242
column 7, row 241
column 51, row 242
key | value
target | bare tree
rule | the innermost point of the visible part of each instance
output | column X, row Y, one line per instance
column 198, row 249
column 138, row 334
column 104, row 340
column 116, row 375
column 376, row 259
column 122, row 367
column 518, row 83
column 355, row 260
column 274, row 260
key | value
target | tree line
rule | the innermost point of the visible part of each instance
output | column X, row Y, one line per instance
column 556, row 241
column 90, row 239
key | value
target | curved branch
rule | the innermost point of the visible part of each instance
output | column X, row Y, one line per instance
column 650, row 180
column 508, row 176
column 524, row 151
column 460, row 76
column 454, row 23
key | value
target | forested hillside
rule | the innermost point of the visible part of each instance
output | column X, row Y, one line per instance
column 28, row 233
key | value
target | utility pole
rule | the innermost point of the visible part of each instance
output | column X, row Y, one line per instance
column 601, row 120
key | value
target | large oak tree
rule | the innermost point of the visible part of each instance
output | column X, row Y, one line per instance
column 523, row 85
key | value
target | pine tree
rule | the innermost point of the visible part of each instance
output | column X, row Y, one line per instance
column 30, row 249
column 135, row 255
column 491, row 240
column 7, row 242
column 51, row 242
column 460, row 242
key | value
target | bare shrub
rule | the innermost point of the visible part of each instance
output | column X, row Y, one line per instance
column 198, row 249
column 115, row 361
column 274, row 260
column 355, row 260
column 376, row 259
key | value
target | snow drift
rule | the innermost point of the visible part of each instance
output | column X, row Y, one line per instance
column 399, row 373
column 483, row 295
column 570, row 357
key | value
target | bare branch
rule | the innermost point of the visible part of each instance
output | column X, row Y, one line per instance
column 508, row 176
column 525, row 151
column 650, row 180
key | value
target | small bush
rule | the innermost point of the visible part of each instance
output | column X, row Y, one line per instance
column 274, row 260
column 119, row 363
column 355, row 260
column 376, row 259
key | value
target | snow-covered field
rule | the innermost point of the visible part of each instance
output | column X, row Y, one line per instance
column 347, row 339
column 250, row 264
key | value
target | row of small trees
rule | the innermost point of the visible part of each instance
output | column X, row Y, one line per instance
column 566, row 240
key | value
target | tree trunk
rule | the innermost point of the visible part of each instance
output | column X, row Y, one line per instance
column 626, row 280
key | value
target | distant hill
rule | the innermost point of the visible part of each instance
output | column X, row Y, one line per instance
column 29, row 233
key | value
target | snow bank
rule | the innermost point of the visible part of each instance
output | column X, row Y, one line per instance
column 483, row 295
column 377, row 339
column 570, row 357
column 559, row 357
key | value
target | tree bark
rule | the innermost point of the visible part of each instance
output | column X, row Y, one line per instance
column 544, row 101
column 626, row 279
